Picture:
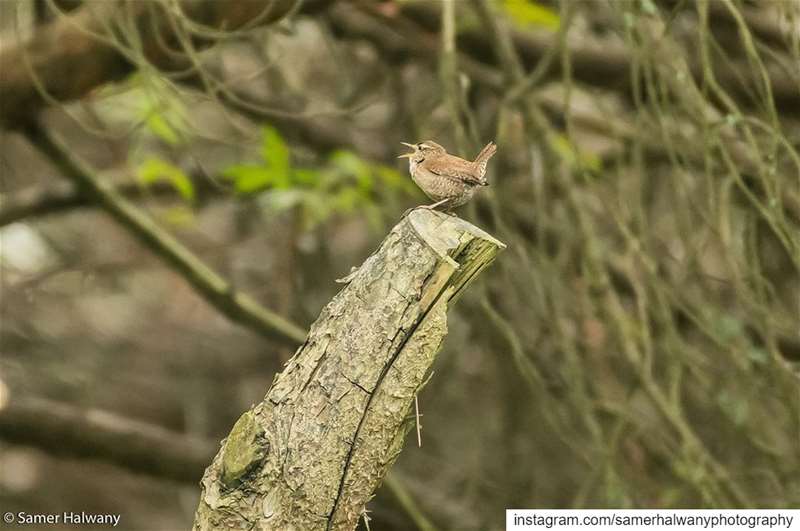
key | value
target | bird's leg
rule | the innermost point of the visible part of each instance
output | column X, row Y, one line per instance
column 448, row 206
column 428, row 207
column 436, row 204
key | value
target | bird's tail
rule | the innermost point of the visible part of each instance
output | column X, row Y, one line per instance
column 483, row 157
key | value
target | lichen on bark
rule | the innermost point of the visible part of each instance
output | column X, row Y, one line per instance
column 311, row 455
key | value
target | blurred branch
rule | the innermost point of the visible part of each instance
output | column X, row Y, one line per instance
column 406, row 40
column 448, row 73
column 40, row 201
column 762, row 20
column 603, row 65
column 58, row 197
column 238, row 307
column 63, row 429
column 77, row 53
column 408, row 503
column 43, row 13
column 399, row 39
column 322, row 134
column 501, row 41
column 55, row 198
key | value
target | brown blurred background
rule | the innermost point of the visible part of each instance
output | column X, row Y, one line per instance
column 637, row 345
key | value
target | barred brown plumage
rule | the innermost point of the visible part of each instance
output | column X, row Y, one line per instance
column 448, row 180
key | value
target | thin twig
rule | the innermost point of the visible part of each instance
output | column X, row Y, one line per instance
column 419, row 425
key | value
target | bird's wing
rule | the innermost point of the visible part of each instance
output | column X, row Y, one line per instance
column 454, row 171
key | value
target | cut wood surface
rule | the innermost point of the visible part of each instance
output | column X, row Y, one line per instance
column 311, row 455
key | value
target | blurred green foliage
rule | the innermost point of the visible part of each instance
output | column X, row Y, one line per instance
column 155, row 169
column 161, row 111
column 345, row 184
column 527, row 13
column 273, row 171
column 574, row 156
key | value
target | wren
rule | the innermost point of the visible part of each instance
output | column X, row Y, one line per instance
column 448, row 180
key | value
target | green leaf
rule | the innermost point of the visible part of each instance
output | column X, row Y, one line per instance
column 249, row 178
column 275, row 153
column 163, row 113
column 528, row 13
column 155, row 169
column 305, row 176
column 275, row 172
column 160, row 127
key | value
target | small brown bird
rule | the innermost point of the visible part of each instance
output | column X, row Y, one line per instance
column 448, row 180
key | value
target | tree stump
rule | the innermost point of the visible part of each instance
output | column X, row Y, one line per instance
column 310, row 456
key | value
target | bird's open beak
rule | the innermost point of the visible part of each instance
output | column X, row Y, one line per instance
column 406, row 155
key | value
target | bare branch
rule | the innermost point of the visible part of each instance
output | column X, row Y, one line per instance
column 58, row 197
column 607, row 66
column 38, row 201
column 238, row 307
column 77, row 53
column 62, row 429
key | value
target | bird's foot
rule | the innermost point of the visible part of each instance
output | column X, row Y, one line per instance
column 427, row 207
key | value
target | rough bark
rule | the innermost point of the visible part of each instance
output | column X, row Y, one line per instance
column 310, row 456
